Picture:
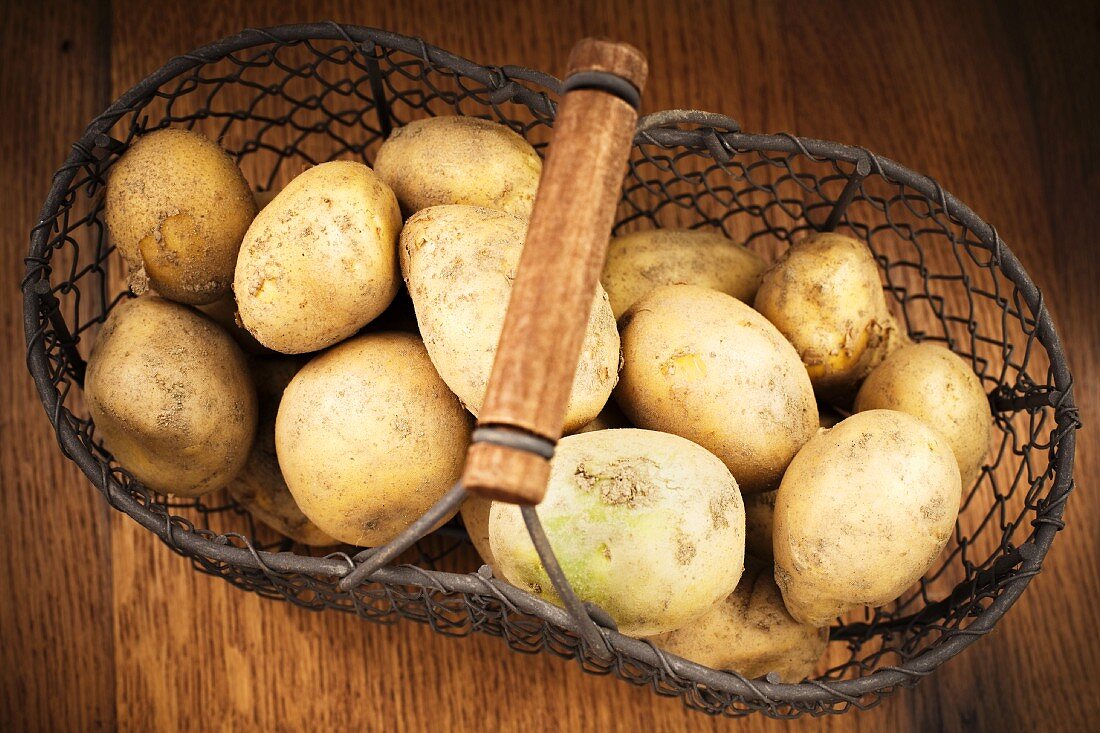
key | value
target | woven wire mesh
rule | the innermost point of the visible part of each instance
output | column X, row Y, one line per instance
column 283, row 99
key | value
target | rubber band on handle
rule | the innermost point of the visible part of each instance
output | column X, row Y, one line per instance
column 605, row 81
column 510, row 437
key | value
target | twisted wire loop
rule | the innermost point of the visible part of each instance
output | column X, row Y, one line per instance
column 374, row 558
column 281, row 99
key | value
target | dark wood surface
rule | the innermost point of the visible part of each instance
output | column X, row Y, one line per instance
column 102, row 628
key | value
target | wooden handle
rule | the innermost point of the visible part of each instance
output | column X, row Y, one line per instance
column 540, row 343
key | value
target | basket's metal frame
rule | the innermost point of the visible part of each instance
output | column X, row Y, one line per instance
column 721, row 137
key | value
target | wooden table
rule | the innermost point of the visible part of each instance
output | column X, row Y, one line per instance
column 102, row 628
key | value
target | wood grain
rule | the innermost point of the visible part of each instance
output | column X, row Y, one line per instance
column 102, row 627
column 55, row 562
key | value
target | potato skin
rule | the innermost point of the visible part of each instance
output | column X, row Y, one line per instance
column 863, row 511
column 648, row 526
column 369, row 437
column 319, row 261
column 750, row 632
column 178, row 206
column 170, row 396
column 932, row 383
column 825, row 296
column 259, row 487
column 641, row 261
column 459, row 263
column 460, row 160
column 705, row 366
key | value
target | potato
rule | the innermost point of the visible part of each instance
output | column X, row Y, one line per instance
column 751, row 633
column 648, row 526
column 260, row 487
column 459, row 263
column 460, row 160
column 933, row 384
column 703, row 365
column 825, row 296
column 641, row 261
column 863, row 511
column 475, row 517
column 170, row 396
column 369, row 437
column 177, row 206
column 319, row 262
column 759, row 523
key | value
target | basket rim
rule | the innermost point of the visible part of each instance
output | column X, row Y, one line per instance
column 659, row 127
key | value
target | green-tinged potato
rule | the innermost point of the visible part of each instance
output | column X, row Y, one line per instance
column 862, row 513
column 460, row 160
column 260, row 487
column 751, row 633
column 177, row 206
column 610, row 418
column 703, row 365
column 223, row 311
column 171, row 397
column 475, row 517
column 648, row 526
column 369, row 437
column 825, row 296
column 932, row 383
column 319, row 262
column 641, row 261
column 759, row 516
column 459, row 263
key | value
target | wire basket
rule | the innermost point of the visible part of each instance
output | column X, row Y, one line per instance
column 285, row 98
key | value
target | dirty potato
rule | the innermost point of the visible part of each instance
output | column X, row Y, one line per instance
column 171, row 397
column 319, row 262
column 825, row 296
column 369, row 437
column 459, row 263
column 932, row 383
column 864, row 510
column 703, row 365
column 178, row 206
column 460, row 160
column 641, row 261
column 750, row 632
column 648, row 526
